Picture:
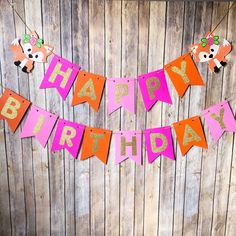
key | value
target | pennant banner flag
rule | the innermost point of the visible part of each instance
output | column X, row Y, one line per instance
column 12, row 108
column 153, row 87
column 128, row 145
column 61, row 75
column 39, row 123
column 96, row 143
column 183, row 73
column 219, row 119
column 159, row 142
column 68, row 136
column 88, row 88
column 190, row 133
column 121, row 94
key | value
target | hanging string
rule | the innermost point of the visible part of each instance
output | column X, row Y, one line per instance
column 227, row 12
column 13, row 8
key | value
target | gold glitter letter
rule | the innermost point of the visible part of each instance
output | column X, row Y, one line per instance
column 10, row 108
column 219, row 118
column 156, row 149
column 66, row 137
column 190, row 135
column 88, row 90
column 57, row 71
column 96, row 138
column 120, row 93
column 39, row 124
column 125, row 144
column 152, row 85
column 181, row 72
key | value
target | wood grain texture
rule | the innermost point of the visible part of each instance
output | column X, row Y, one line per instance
column 44, row 193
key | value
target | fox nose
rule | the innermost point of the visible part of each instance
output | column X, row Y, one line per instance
column 30, row 56
column 211, row 55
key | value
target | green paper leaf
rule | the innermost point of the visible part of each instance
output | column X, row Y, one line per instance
column 26, row 38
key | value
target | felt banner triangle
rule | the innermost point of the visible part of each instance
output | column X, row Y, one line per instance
column 61, row 75
column 190, row 133
column 128, row 145
column 183, row 73
column 39, row 124
column 96, row 143
column 121, row 94
column 88, row 88
column 68, row 136
column 13, row 108
column 219, row 118
column 153, row 87
column 159, row 142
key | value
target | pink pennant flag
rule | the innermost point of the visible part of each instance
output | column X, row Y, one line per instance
column 159, row 142
column 153, row 87
column 128, row 145
column 39, row 124
column 61, row 75
column 121, row 94
column 68, row 136
column 219, row 119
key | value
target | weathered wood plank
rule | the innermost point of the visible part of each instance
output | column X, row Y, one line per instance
column 129, row 69
column 193, row 165
column 113, row 68
column 225, row 147
column 51, row 13
column 13, row 152
column 81, row 113
column 155, row 61
column 28, row 175
column 173, row 45
column 69, row 161
column 214, row 88
column 142, row 67
column 5, row 213
column 231, row 70
column 97, row 65
column 188, row 32
column 40, row 159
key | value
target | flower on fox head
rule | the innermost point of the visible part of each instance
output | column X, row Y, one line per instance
column 33, row 40
column 210, row 40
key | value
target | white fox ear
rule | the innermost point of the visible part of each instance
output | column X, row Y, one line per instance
column 48, row 48
column 193, row 48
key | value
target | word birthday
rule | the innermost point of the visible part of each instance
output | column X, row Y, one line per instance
column 96, row 142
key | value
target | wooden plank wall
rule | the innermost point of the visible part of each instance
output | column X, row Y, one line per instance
column 43, row 193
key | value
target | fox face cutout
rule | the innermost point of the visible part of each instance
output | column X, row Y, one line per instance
column 212, row 51
column 29, row 50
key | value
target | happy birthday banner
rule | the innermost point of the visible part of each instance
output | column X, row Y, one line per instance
column 62, row 74
column 89, row 87
column 96, row 142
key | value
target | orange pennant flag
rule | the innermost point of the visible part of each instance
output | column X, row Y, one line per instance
column 88, row 88
column 189, row 133
column 183, row 73
column 96, row 143
column 12, row 108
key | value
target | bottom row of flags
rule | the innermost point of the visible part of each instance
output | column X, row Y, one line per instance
column 96, row 142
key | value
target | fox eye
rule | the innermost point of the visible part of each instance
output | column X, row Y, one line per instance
column 212, row 50
column 29, row 50
column 205, row 56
